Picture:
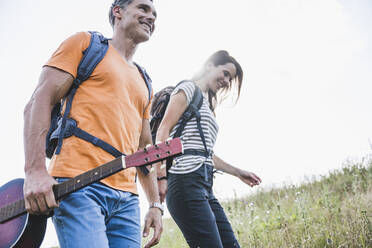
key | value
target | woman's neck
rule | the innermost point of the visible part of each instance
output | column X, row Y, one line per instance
column 202, row 83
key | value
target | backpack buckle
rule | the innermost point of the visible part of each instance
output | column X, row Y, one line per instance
column 69, row 129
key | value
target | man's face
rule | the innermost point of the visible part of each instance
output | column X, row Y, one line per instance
column 138, row 20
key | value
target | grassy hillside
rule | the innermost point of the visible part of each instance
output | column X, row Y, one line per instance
column 333, row 211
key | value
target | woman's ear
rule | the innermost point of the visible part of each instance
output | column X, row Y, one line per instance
column 209, row 66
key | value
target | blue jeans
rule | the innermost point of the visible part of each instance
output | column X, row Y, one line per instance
column 98, row 216
column 197, row 212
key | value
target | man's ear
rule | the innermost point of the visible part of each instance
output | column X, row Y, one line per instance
column 117, row 12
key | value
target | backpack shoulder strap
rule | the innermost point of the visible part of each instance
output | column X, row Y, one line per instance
column 91, row 57
column 197, row 99
column 145, row 77
column 191, row 110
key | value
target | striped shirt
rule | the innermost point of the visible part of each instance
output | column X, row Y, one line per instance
column 190, row 136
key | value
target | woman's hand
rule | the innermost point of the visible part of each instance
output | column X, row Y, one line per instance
column 249, row 178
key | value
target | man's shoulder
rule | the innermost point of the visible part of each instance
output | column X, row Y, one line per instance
column 79, row 37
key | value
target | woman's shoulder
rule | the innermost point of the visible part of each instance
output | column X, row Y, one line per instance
column 186, row 84
column 188, row 87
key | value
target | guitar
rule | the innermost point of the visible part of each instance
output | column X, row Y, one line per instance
column 21, row 229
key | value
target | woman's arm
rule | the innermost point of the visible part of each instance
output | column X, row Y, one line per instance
column 176, row 106
column 247, row 177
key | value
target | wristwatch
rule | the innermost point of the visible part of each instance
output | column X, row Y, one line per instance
column 157, row 205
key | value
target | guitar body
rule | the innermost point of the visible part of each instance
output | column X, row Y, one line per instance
column 26, row 231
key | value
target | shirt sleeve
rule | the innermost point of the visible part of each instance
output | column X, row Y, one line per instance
column 68, row 55
column 188, row 87
column 146, row 114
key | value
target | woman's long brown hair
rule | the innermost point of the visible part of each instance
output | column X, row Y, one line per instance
column 222, row 57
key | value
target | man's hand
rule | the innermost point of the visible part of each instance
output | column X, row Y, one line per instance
column 153, row 220
column 38, row 193
column 163, row 188
column 249, row 178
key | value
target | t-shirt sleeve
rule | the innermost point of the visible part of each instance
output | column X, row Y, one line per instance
column 146, row 114
column 188, row 87
column 68, row 55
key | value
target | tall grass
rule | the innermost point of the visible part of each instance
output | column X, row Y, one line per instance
column 332, row 211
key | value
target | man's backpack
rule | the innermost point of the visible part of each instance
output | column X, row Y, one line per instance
column 159, row 105
column 62, row 126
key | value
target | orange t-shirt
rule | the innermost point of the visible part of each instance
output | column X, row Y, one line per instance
column 111, row 105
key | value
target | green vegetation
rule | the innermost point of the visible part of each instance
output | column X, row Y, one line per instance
column 333, row 211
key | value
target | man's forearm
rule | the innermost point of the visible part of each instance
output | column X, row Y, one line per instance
column 148, row 182
column 36, row 124
column 149, row 185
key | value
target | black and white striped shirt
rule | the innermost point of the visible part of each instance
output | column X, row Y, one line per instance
column 190, row 136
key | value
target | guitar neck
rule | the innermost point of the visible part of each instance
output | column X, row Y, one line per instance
column 147, row 156
column 89, row 177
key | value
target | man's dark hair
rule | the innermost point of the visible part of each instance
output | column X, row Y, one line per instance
column 123, row 5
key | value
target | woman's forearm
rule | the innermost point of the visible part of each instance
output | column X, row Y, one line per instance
column 219, row 164
column 161, row 136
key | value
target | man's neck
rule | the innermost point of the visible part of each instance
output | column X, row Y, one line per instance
column 125, row 46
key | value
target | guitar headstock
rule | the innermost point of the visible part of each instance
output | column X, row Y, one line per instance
column 155, row 153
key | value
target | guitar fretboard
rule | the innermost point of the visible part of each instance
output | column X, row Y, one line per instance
column 89, row 177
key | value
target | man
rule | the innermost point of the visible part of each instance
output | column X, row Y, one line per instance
column 112, row 104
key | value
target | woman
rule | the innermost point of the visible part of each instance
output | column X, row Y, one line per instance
column 188, row 185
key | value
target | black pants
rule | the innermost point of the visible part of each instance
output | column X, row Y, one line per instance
column 196, row 210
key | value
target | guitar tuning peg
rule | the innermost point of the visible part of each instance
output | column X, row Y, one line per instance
column 163, row 165
column 146, row 149
column 152, row 169
column 157, row 144
column 167, row 142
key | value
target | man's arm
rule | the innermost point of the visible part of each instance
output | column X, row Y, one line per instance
column 247, row 177
column 149, row 185
column 53, row 85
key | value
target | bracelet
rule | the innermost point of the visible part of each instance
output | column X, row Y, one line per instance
column 162, row 178
column 158, row 206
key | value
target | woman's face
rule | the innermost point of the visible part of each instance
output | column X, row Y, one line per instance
column 221, row 76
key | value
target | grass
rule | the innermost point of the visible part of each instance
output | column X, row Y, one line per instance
column 332, row 211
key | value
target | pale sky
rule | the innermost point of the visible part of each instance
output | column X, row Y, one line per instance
column 305, row 105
